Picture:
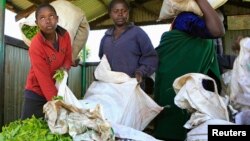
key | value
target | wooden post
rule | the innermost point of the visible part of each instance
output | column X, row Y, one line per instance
column 2, row 52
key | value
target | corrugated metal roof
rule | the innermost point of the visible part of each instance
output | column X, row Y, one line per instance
column 92, row 8
column 22, row 4
column 143, row 12
column 96, row 11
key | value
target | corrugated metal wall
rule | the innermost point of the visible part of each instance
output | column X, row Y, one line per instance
column 75, row 81
column 2, row 54
column 16, row 69
column 89, row 75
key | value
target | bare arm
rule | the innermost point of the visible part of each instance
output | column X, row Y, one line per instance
column 212, row 20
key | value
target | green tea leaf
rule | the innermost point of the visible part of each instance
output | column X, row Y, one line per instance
column 58, row 76
column 57, row 98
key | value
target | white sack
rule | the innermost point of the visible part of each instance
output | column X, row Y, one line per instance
column 200, row 133
column 203, row 104
column 66, row 93
column 243, row 117
column 171, row 8
column 240, row 80
column 121, row 97
column 125, row 132
column 226, row 81
column 103, row 73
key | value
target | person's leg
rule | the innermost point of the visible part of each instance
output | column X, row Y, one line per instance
column 32, row 107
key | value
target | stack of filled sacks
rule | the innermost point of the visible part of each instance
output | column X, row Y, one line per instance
column 206, row 106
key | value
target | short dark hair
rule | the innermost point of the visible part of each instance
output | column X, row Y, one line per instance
column 43, row 6
column 114, row 2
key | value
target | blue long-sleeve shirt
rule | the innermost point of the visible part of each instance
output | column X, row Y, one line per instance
column 192, row 24
column 131, row 52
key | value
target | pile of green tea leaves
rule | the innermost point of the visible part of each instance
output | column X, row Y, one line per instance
column 31, row 129
column 29, row 31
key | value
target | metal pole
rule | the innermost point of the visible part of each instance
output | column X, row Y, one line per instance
column 84, row 73
column 2, row 52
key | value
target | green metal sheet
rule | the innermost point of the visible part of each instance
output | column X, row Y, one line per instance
column 2, row 16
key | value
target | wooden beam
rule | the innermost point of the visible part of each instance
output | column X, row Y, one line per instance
column 25, row 13
column 37, row 2
column 10, row 6
column 239, row 3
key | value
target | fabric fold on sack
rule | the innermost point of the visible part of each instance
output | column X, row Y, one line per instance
column 203, row 104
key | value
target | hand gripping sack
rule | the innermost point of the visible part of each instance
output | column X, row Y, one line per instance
column 203, row 104
column 76, row 25
column 171, row 8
